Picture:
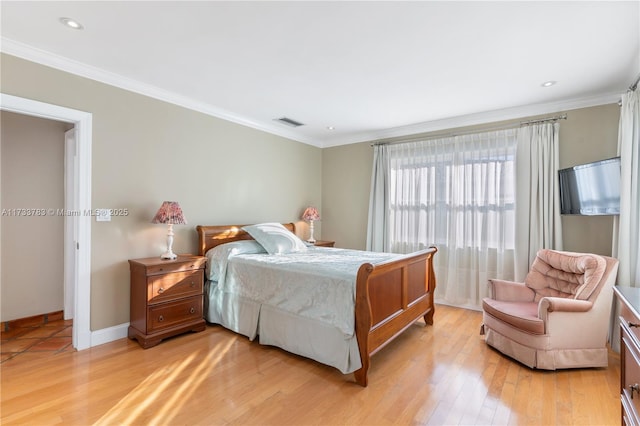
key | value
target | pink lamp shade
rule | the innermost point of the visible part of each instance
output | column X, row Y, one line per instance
column 311, row 214
column 171, row 214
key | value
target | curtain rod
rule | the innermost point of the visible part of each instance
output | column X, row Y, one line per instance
column 631, row 88
column 544, row 120
column 634, row 86
column 486, row 129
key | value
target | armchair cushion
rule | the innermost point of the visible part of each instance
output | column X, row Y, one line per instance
column 522, row 315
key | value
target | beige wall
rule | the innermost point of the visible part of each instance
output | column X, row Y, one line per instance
column 346, row 182
column 32, row 178
column 588, row 134
column 146, row 151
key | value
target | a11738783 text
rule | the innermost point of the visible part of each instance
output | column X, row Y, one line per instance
column 39, row 212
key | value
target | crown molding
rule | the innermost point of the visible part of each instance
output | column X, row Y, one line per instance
column 486, row 117
column 62, row 63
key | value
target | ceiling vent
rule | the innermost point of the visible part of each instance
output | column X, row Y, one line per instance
column 289, row 122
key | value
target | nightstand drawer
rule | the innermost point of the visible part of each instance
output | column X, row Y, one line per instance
column 163, row 268
column 174, row 313
column 176, row 285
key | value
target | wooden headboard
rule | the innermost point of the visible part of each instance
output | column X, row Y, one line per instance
column 212, row 236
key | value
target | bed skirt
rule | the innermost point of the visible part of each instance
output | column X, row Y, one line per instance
column 299, row 335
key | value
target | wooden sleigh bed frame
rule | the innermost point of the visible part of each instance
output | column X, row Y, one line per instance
column 390, row 296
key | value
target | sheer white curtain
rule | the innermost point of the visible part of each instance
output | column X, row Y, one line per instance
column 627, row 244
column 455, row 193
column 538, row 200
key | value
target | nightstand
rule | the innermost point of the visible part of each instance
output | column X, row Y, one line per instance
column 321, row 243
column 166, row 298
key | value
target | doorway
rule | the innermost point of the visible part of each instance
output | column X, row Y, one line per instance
column 32, row 198
column 80, row 202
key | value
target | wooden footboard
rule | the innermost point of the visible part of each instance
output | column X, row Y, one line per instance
column 390, row 296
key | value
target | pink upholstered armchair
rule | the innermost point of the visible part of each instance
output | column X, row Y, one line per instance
column 559, row 316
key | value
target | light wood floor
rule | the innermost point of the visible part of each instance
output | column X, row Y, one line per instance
column 440, row 374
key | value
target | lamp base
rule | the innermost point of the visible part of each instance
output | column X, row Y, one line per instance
column 311, row 239
column 169, row 254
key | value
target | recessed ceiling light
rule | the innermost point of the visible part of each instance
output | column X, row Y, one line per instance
column 548, row 83
column 71, row 23
column 330, row 128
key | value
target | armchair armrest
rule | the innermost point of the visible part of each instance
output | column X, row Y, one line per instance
column 561, row 304
column 547, row 305
column 510, row 291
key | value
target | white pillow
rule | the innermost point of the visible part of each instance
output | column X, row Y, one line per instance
column 275, row 238
column 217, row 256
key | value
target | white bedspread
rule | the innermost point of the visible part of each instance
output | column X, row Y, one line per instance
column 317, row 284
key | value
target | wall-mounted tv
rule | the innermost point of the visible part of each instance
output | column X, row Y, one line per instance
column 591, row 189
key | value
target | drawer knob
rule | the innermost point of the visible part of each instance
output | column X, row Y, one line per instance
column 634, row 388
column 193, row 284
column 632, row 324
column 161, row 318
column 193, row 311
column 161, row 290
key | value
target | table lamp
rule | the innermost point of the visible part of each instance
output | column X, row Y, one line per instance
column 311, row 214
column 171, row 214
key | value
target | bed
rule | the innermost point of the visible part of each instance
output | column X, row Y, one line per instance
column 391, row 293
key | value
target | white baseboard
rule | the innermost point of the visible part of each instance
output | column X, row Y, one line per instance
column 106, row 335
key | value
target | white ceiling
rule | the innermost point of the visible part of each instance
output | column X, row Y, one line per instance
column 370, row 69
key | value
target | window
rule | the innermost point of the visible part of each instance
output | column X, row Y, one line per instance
column 457, row 192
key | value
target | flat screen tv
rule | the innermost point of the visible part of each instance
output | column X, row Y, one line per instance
column 591, row 189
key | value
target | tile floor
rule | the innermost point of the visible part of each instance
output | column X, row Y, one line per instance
column 35, row 337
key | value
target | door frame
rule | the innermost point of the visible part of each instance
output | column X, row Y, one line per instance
column 82, row 122
column 70, row 224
